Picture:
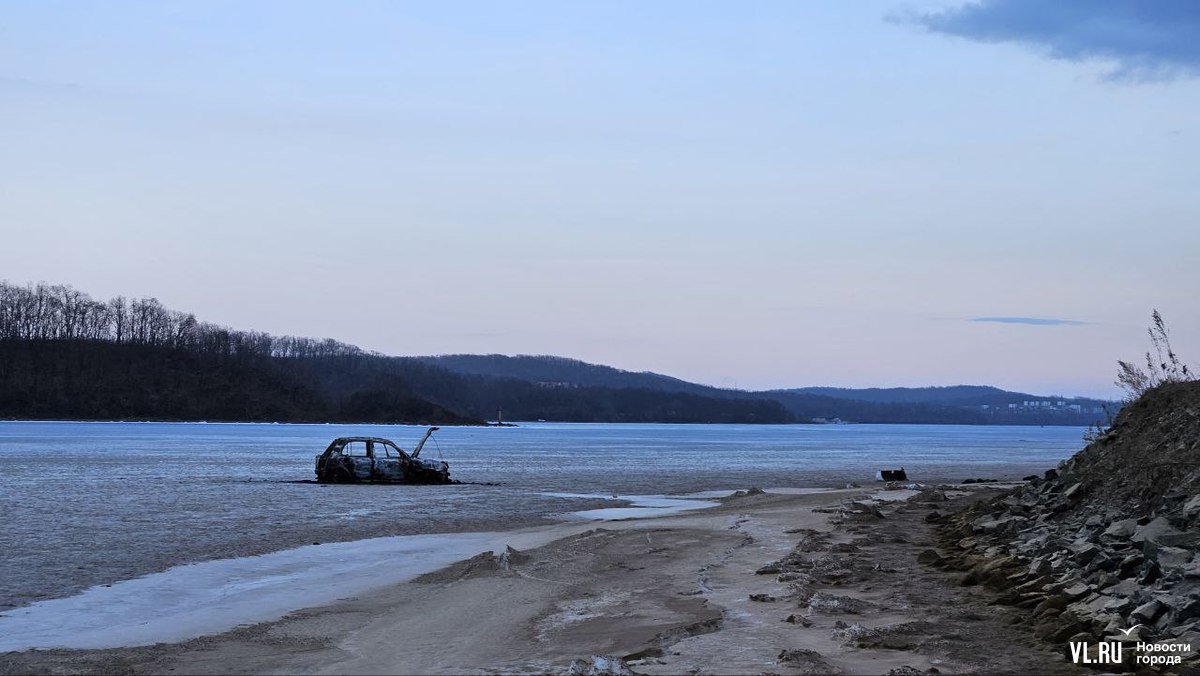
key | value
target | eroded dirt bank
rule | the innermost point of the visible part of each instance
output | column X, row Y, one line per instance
column 1104, row 548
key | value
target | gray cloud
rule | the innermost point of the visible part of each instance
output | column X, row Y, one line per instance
column 1144, row 39
column 1030, row 321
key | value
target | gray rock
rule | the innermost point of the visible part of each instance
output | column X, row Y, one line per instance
column 1147, row 612
column 1192, row 508
column 1041, row 566
column 1189, row 539
column 1172, row 557
column 1118, row 604
column 806, row 661
column 1083, row 552
column 1129, row 564
column 1122, row 529
column 929, row 495
column 1126, row 587
column 1154, row 531
column 1089, row 606
column 988, row 524
column 1149, row 574
column 1076, row 590
column 1192, row 638
column 798, row 619
column 1058, row 603
column 1101, row 562
column 1186, row 609
column 1104, row 579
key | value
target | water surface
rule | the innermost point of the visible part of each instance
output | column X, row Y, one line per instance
column 93, row 503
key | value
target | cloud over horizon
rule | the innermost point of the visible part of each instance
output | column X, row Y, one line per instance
column 1144, row 40
column 1030, row 321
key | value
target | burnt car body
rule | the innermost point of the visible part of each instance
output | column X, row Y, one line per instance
column 376, row 460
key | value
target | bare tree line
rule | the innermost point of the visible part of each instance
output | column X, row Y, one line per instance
column 59, row 312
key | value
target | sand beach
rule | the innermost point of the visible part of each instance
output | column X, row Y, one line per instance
column 816, row 582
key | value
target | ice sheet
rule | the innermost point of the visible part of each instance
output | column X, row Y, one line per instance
column 640, row 507
column 214, row 596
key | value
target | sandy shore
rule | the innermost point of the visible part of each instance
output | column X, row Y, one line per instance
column 692, row 593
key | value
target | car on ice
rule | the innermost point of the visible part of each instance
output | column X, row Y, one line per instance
column 376, row 460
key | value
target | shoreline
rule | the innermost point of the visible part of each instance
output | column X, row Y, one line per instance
column 523, row 423
column 659, row 595
column 170, row 605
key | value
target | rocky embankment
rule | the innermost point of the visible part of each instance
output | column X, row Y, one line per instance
column 1104, row 543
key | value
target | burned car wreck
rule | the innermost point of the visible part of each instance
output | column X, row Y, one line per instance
column 376, row 460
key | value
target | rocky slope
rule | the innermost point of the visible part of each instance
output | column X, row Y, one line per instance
column 1105, row 542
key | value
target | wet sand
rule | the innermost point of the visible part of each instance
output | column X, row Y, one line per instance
column 671, row 595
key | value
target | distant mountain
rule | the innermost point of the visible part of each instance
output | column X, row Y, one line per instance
column 830, row 409
column 957, row 404
column 984, row 404
column 553, row 371
column 65, row 355
column 953, row 395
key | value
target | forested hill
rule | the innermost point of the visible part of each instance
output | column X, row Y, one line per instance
column 958, row 404
column 563, row 372
column 953, row 395
column 100, row 380
column 987, row 405
column 64, row 355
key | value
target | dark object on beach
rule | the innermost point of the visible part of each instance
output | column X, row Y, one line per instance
column 806, row 661
column 980, row 481
column 891, row 475
column 798, row 619
column 375, row 460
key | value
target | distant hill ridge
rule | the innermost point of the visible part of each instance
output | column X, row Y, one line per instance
column 552, row 370
column 960, row 404
column 66, row 355
column 961, row 395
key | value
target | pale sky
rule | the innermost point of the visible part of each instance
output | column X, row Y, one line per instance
column 762, row 194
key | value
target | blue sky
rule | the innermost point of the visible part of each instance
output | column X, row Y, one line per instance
column 753, row 194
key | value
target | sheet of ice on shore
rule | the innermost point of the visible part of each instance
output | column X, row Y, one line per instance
column 214, row 596
column 210, row 597
column 640, row 506
column 783, row 490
